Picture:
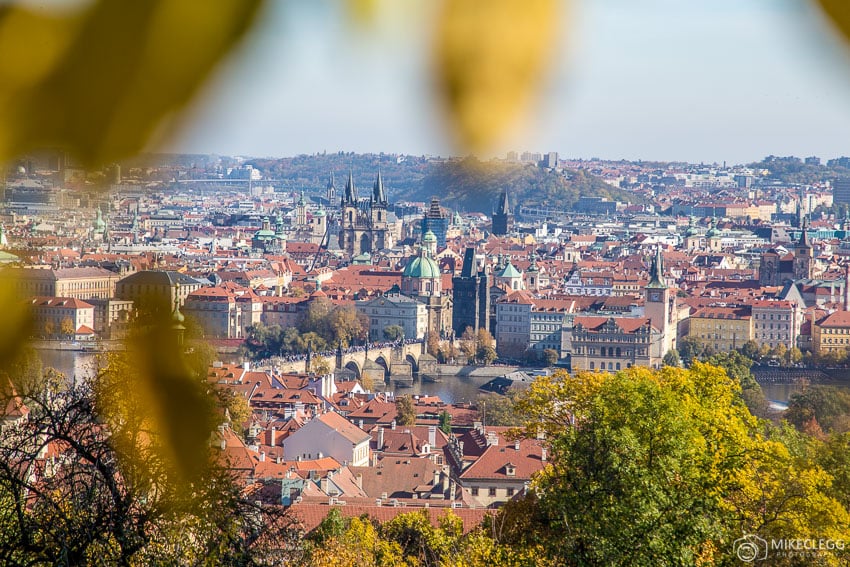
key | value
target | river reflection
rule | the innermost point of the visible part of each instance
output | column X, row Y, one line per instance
column 73, row 364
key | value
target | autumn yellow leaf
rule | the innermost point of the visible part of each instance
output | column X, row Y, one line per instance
column 839, row 12
column 99, row 82
column 490, row 56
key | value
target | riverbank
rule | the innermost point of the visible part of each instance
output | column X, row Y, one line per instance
column 79, row 346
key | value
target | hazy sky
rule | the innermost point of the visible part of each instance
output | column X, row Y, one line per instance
column 694, row 80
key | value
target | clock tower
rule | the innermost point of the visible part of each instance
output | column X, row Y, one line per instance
column 659, row 303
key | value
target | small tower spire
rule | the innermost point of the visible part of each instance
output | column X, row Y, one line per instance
column 656, row 271
column 804, row 234
column 350, row 190
column 379, row 196
column 330, row 193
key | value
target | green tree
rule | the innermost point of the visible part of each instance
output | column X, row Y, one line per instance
column 738, row 367
column 406, row 412
column 486, row 354
column 793, row 356
column 632, row 455
column 550, row 356
column 499, row 410
column 779, row 351
column 834, row 457
column 827, row 405
column 692, row 349
column 393, row 332
column 671, row 358
column 750, row 349
column 445, row 422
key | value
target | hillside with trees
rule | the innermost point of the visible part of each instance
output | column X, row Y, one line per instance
column 473, row 185
column 466, row 184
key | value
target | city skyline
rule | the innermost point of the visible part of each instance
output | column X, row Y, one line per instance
column 657, row 82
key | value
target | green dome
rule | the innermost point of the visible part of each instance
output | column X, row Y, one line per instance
column 509, row 272
column 421, row 267
column 99, row 223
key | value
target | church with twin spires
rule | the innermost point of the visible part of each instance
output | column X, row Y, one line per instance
column 364, row 226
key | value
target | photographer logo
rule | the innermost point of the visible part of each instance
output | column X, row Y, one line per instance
column 750, row 548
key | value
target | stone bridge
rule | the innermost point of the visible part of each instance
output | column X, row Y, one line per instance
column 399, row 363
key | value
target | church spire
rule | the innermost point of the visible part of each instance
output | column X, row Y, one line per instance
column 379, row 196
column 804, row 235
column 350, row 190
column 504, row 207
column 656, row 271
column 330, row 193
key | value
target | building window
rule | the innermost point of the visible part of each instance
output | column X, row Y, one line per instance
column 474, row 491
column 492, row 491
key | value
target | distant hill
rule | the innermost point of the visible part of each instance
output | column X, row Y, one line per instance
column 472, row 185
column 465, row 184
column 793, row 170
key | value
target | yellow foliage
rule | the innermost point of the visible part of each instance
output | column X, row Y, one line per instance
column 359, row 546
column 490, row 58
column 153, row 388
column 17, row 323
column 100, row 81
column 838, row 12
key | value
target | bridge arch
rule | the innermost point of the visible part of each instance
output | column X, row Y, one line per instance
column 383, row 363
column 414, row 362
column 354, row 367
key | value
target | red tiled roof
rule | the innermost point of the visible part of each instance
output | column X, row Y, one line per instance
column 839, row 319
column 496, row 461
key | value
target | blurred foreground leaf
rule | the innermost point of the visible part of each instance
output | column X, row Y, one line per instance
column 839, row 12
column 159, row 389
column 99, row 82
column 490, row 56
column 17, row 322
column 363, row 11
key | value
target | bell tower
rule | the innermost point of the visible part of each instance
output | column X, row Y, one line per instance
column 803, row 254
column 378, row 211
column 658, row 307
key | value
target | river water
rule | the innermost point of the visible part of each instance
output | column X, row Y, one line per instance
column 453, row 389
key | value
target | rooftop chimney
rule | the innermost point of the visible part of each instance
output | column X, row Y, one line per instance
column 380, row 439
column 432, row 435
column 262, row 456
column 274, row 432
column 392, row 425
